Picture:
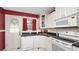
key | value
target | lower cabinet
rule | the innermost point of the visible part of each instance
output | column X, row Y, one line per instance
column 43, row 42
column 36, row 43
column 57, row 48
column 75, row 48
column 27, row 43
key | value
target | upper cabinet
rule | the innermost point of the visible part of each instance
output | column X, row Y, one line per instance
column 59, row 12
column 43, row 21
column 50, row 20
column 71, row 10
column 65, row 11
column 61, row 17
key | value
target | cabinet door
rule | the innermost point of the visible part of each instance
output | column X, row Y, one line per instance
column 42, row 42
column 75, row 48
column 60, row 12
column 70, row 10
column 36, row 41
column 27, row 43
column 72, row 20
column 30, row 41
column 57, row 15
column 39, row 42
column 50, row 20
column 47, row 21
column 65, row 11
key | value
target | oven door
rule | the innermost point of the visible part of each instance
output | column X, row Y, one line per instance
column 57, row 48
column 59, row 45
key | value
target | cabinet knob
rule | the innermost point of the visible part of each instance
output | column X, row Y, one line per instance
column 72, row 17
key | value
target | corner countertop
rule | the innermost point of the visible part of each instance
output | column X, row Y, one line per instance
column 76, row 44
column 51, row 35
column 40, row 33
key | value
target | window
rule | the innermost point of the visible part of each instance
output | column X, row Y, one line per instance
column 29, row 24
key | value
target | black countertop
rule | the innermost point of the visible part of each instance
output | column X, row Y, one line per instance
column 52, row 35
column 40, row 33
column 76, row 44
column 67, row 40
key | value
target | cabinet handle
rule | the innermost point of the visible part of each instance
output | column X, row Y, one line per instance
column 64, row 43
column 57, row 41
column 72, row 17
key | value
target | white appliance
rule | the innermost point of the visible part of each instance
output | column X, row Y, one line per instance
column 64, row 41
column 12, row 41
column 69, row 21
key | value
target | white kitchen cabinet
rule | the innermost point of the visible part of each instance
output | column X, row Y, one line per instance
column 50, row 20
column 62, row 17
column 42, row 42
column 49, row 44
column 47, row 22
column 60, row 12
column 71, row 10
column 57, row 11
column 39, row 42
column 35, row 43
column 65, row 11
column 43, row 21
column 75, row 48
column 27, row 43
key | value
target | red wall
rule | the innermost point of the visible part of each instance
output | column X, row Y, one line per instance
column 2, row 22
column 12, row 12
column 2, row 27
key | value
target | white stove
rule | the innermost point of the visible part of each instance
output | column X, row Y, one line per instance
column 66, row 39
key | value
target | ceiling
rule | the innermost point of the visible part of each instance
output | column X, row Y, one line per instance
column 34, row 10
